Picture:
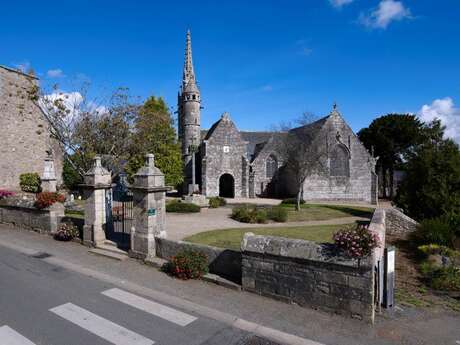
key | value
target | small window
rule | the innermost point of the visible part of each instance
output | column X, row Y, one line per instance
column 194, row 97
column 271, row 166
column 226, row 149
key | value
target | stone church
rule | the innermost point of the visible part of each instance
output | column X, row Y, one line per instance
column 224, row 161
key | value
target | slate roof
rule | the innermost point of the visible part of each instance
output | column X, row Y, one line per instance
column 309, row 131
column 257, row 140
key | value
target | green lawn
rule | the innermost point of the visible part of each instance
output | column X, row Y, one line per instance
column 231, row 238
column 324, row 212
column 75, row 214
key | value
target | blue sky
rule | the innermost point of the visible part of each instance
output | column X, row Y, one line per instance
column 262, row 61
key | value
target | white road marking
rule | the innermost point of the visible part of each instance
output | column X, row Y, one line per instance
column 160, row 310
column 9, row 336
column 99, row 326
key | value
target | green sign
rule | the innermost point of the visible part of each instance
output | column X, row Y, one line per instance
column 151, row 211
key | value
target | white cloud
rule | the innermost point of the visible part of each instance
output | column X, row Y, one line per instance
column 386, row 12
column 443, row 109
column 305, row 51
column 340, row 3
column 23, row 66
column 303, row 47
column 267, row 88
column 55, row 73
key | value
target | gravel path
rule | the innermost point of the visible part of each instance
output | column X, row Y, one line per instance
column 179, row 226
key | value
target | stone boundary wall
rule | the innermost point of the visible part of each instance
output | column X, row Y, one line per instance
column 223, row 262
column 46, row 221
column 308, row 274
column 397, row 223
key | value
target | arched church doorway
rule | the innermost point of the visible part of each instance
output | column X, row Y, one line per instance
column 227, row 186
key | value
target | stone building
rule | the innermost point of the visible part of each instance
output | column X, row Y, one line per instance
column 224, row 161
column 25, row 130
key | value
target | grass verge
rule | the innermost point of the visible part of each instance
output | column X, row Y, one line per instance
column 310, row 212
column 231, row 238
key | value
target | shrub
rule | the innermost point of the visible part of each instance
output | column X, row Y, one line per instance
column 435, row 249
column 278, row 214
column 46, row 199
column 441, row 278
column 187, row 264
column 249, row 214
column 217, row 201
column 30, row 182
column 292, row 201
column 67, row 232
column 182, row 207
column 5, row 193
column 357, row 243
column 438, row 231
column 446, row 278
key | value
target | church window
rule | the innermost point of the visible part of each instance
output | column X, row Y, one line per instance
column 271, row 166
column 194, row 97
column 340, row 162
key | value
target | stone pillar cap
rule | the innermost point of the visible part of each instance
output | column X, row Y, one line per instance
column 97, row 168
column 149, row 168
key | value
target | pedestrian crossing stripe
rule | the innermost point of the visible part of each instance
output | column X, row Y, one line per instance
column 99, row 326
column 148, row 306
column 9, row 336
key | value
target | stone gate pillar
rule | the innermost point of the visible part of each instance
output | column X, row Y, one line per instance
column 149, row 210
column 97, row 184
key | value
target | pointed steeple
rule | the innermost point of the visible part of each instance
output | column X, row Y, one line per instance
column 189, row 73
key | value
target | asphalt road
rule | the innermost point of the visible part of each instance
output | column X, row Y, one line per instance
column 45, row 304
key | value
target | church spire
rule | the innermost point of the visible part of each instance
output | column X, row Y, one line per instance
column 189, row 73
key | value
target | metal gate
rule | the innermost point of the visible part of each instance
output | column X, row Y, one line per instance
column 119, row 215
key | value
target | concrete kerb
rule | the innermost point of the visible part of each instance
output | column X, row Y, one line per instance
column 226, row 318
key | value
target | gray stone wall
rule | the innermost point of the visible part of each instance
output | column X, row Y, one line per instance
column 359, row 185
column 263, row 185
column 26, row 136
column 224, row 152
column 223, row 262
column 308, row 274
column 27, row 217
column 397, row 223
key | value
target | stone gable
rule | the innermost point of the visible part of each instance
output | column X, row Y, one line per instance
column 25, row 130
column 224, row 152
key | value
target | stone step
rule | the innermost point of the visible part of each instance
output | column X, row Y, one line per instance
column 214, row 278
column 111, row 248
column 110, row 243
column 109, row 254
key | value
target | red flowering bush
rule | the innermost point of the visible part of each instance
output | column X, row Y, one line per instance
column 357, row 243
column 5, row 193
column 46, row 199
column 187, row 264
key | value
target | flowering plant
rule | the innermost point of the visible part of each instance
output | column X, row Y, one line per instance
column 5, row 193
column 357, row 243
column 66, row 232
column 46, row 199
column 187, row 265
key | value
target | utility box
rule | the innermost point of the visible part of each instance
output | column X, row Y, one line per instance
column 389, row 277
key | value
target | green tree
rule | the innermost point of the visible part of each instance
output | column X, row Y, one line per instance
column 391, row 138
column 70, row 175
column 154, row 133
column 431, row 187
